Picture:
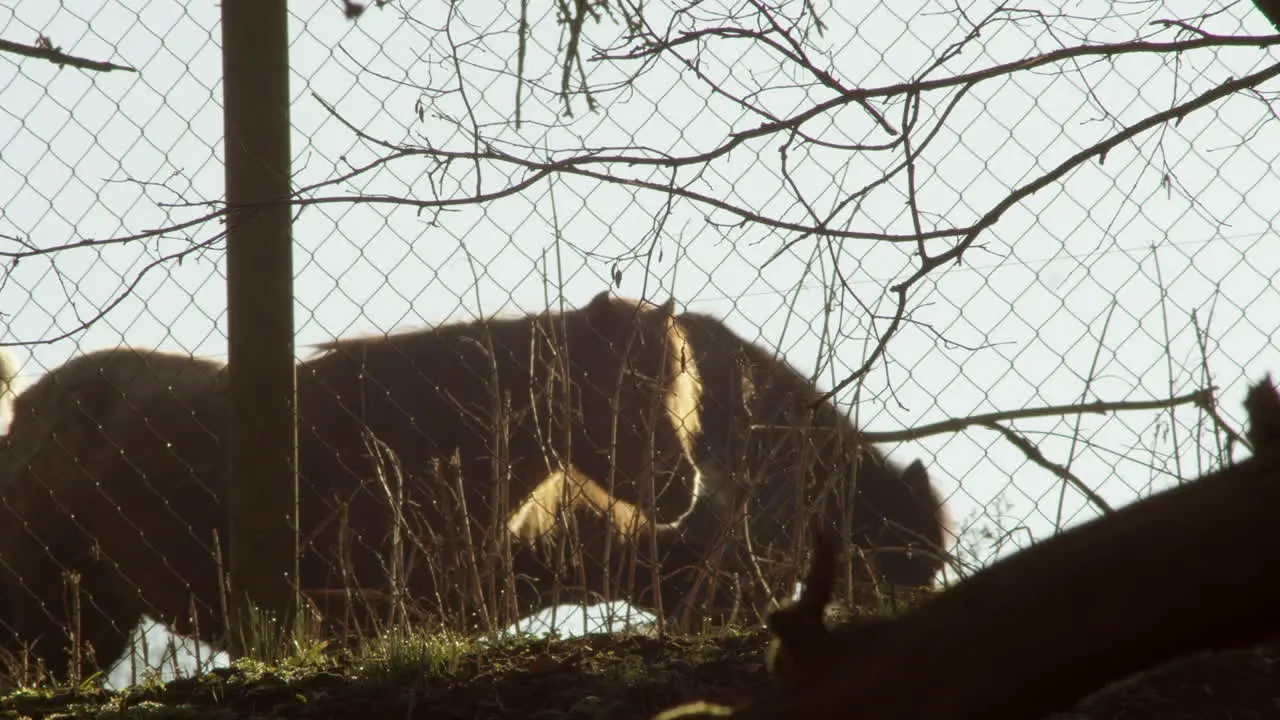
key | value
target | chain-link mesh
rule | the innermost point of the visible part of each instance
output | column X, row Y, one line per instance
column 1033, row 250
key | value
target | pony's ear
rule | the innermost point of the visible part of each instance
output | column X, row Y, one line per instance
column 668, row 308
column 916, row 477
column 599, row 302
column 1262, row 404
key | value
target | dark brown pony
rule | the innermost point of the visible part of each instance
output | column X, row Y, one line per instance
column 574, row 543
column 113, row 468
column 117, row 465
column 1185, row 571
column 773, row 456
column 518, row 400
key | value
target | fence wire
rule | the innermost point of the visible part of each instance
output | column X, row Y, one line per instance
column 1034, row 251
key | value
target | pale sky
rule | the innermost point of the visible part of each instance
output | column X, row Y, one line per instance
column 1093, row 279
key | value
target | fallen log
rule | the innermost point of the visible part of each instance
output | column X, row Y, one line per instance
column 1188, row 570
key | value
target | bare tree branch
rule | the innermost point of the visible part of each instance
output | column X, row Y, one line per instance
column 44, row 50
column 1202, row 398
column 137, row 279
column 1099, row 150
column 1034, row 455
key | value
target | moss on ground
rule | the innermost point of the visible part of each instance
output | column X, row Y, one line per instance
column 615, row 677
column 578, row 679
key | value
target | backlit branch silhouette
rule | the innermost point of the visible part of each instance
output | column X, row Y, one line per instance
column 45, row 50
column 503, row 166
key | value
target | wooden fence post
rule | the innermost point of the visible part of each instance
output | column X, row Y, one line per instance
column 262, row 489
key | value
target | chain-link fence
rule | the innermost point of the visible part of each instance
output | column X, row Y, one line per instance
column 1032, row 249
